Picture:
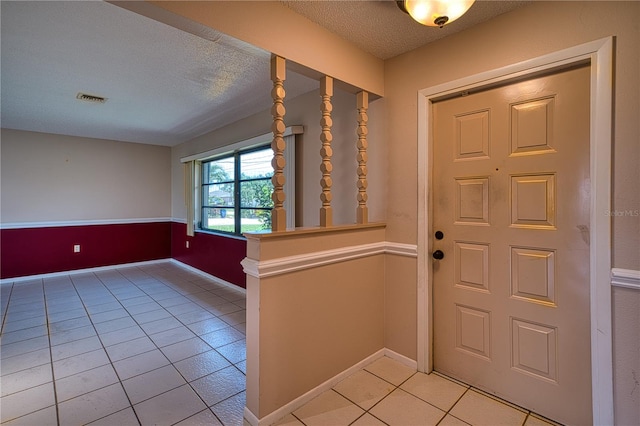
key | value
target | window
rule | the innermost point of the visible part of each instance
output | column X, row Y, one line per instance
column 228, row 189
column 236, row 191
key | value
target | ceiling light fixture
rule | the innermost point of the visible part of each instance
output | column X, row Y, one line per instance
column 435, row 13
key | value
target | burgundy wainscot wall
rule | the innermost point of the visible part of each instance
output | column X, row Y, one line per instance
column 32, row 251
column 214, row 254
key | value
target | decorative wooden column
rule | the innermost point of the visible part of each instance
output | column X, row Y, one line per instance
column 278, row 213
column 362, row 211
column 326, row 91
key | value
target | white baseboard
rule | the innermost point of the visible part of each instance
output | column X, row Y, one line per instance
column 231, row 286
column 411, row 363
column 250, row 417
column 303, row 399
column 283, row 411
column 81, row 271
column 126, row 265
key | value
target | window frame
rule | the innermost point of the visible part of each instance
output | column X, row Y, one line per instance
column 237, row 182
column 193, row 192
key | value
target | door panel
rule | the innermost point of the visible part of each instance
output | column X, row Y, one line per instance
column 511, row 196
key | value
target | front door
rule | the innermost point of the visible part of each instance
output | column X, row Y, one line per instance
column 511, row 242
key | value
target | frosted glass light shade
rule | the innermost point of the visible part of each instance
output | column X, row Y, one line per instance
column 437, row 13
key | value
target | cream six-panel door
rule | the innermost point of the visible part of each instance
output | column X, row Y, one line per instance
column 511, row 204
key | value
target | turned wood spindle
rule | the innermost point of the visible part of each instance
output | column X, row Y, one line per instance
column 326, row 91
column 278, row 145
column 362, row 211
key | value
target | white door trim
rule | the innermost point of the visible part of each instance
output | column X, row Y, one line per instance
column 600, row 55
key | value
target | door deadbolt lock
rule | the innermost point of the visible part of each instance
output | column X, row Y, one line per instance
column 439, row 235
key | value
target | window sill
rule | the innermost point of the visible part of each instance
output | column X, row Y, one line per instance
column 220, row 234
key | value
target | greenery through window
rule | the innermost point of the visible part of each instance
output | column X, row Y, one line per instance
column 236, row 192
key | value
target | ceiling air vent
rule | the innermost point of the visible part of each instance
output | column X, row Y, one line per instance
column 91, row 98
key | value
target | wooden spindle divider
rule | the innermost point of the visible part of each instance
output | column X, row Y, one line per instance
column 326, row 92
column 362, row 211
column 278, row 145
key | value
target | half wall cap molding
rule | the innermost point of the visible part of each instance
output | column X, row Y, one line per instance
column 284, row 265
column 627, row 278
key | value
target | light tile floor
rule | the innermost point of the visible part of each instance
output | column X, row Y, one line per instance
column 159, row 344
column 154, row 344
column 387, row 392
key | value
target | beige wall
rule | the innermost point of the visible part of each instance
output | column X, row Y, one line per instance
column 334, row 322
column 400, row 325
column 48, row 177
column 626, row 356
column 534, row 30
column 305, row 110
column 308, row 322
column 531, row 31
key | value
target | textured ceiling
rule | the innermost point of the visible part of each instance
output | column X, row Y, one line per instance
column 380, row 28
column 166, row 86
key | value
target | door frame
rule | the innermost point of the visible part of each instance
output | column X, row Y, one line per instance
column 599, row 55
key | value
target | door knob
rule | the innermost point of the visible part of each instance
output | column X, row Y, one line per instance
column 438, row 254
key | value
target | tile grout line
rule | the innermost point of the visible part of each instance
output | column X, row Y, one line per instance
column 120, row 380
column 84, row 295
column 49, row 347
column 53, row 373
column 448, row 413
column 355, row 403
column 104, row 348
column 396, row 387
column 173, row 364
column 148, row 336
column 214, row 349
column 6, row 311
column 368, row 411
column 210, row 408
column 481, row 392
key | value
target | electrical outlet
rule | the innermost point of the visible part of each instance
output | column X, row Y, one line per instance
column 187, row 244
column 76, row 248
